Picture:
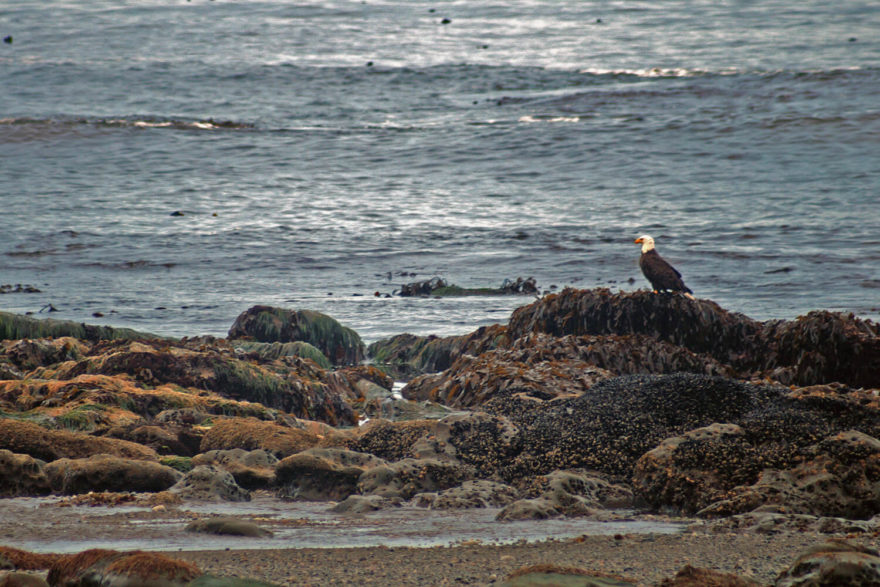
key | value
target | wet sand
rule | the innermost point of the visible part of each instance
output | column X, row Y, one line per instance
column 646, row 558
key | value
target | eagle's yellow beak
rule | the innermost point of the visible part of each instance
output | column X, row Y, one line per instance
column 638, row 240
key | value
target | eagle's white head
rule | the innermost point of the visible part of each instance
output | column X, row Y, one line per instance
column 647, row 242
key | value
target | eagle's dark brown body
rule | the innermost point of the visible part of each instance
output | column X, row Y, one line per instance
column 662, row 275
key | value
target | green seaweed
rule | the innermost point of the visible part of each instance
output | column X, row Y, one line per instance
column 275, row 350
column 15, row 327
column 243, row 381
column 80, row 418
column 182, row 464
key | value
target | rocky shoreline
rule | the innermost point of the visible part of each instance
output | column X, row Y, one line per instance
column 587, row 402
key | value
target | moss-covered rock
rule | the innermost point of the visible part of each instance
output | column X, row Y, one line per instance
column 15, row 327
column 109, row 473
column 341, row 345
column 322, row 474
column 276, row 350
column 406, row 355
column 21, row 475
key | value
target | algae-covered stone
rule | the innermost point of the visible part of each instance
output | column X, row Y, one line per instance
column 322, row 474
column 251, row 434
column 228, row 527
column 275, row 350
column 28, row 438
column 406, row 355
column 15, row 327
column 341, row 345
column 109, row 473
column 21, row 475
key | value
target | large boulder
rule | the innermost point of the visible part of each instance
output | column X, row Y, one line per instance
column 210, row 483
column 616, row 421
column 109, row 473
column 21, row 475
column 479, row 493
column 822, row 347
column 471, row 381
column 391, row 441
column 407, row 477
column 322, row 474
column 688, row 472
column 544, row 366
column 251, row 469
column 341, row 345
column 839, row 477
column 567, row 493
column 28, row 354
column 476, row 439
column 15, row 327
column 833, row 563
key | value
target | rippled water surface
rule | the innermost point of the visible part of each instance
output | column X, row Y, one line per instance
column 320, row 152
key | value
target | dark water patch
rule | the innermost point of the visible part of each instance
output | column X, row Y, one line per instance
column 34, row 129
column 140, row 264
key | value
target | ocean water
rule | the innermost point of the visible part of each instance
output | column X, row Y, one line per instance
column 319, row 153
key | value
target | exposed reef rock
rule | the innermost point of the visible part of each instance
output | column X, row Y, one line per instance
column 437, row 286
column 328, row 474
column 341, row 345
column 820, row 347
column 108, row 473
column 839, row 477
column 209, row 483
column 21, row 475
column 406, row 355
column 251, row 434
column 15, row 327
column 28, row 438
column 544, row 367
column 586, row 401
column 833, row 563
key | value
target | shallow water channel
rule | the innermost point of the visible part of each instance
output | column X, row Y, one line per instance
column 47, row 525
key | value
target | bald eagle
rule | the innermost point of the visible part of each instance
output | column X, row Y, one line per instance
column 662, row 275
